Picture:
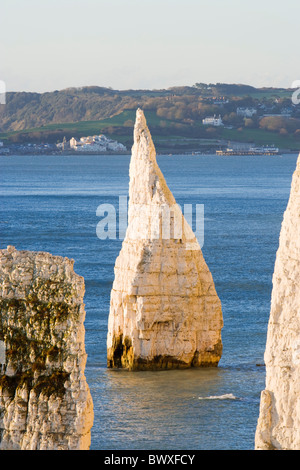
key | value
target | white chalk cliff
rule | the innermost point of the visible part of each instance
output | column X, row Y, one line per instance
column 164, row 310
column 279, row 417
column 45, row 401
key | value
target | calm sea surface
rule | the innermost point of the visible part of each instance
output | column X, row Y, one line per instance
column 49, row 204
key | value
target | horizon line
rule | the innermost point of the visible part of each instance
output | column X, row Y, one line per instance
column 153, row 89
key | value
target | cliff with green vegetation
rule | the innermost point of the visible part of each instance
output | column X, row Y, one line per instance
column 175, row 115
column 45, row 402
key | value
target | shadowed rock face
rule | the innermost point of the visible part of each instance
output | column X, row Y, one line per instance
column 164, row 310
column 45, row 402
column 279, row 417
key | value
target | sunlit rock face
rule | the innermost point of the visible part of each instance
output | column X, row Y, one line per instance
column 45, row 402
column 164, row 310
column 279, row 417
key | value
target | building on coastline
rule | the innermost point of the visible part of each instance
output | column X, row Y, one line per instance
column 212, row 121
column 3, row 149
column 96, row 143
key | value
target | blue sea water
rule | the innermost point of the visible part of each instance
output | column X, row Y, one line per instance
column 49, row 203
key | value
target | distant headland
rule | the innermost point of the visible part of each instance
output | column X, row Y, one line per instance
column 201, row 118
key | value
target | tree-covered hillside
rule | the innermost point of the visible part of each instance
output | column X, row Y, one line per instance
column 172, row 113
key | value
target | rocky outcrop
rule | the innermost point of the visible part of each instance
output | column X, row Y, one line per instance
column 279, row 417
column 45, row 402
column 164, row 310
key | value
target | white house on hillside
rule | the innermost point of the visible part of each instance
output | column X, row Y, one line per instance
column 246, row 112
column 212, row 121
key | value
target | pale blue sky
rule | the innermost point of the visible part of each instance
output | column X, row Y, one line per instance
column 55, row 44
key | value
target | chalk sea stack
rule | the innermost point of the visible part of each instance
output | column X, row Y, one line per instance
column 45, row 402
column 164, row 309
column 278, row 425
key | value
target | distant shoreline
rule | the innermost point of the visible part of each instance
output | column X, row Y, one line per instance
column 159, row 154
